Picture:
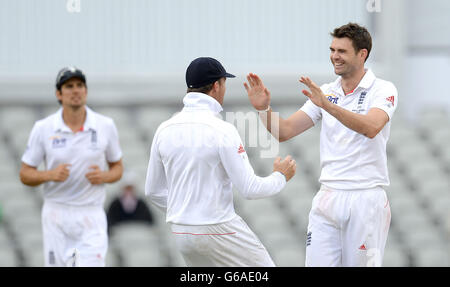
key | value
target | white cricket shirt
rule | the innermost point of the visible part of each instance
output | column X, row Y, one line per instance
column 53, row 142
column 195, row 160
column 350, row 160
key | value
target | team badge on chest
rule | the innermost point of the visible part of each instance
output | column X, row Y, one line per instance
column 361, row 99
column 93, row 139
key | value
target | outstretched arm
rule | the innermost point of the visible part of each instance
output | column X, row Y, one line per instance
column 368, row 125
column 281, row 129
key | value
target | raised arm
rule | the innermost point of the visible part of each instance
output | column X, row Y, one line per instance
column 368, row 125
column 281, row 129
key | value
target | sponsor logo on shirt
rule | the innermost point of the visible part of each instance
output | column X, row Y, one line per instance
column 241, row 149
column 58, row 142
column 332, row 99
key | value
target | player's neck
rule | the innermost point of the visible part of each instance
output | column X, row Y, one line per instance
column 74, row 118
column 350, row 82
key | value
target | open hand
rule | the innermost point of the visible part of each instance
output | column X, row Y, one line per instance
column 316, row 95
column 258, row 94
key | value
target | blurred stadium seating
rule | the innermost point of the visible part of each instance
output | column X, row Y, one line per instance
column 419, row 166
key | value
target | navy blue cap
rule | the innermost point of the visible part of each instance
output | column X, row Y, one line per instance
column 203, row 71
column 68, row 73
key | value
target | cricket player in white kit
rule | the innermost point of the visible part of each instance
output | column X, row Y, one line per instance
column 350, row 215
column 81, row 152
column 195, row 160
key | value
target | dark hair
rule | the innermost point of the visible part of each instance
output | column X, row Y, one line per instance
column 359, row 35
column 205, row 89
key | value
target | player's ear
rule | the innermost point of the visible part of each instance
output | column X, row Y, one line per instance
column 216, row 85
column 364, row 53
column 58, row 95
column 222, row 81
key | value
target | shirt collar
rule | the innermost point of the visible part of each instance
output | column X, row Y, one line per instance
column 89, row 123
column 202, row 102
column 365, row 83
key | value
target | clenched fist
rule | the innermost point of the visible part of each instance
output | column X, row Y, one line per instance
column 287, row 166
column 95, row 176
column 60, row 173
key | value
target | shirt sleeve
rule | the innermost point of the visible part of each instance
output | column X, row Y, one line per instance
column 156, row 183
column 34, row 152
column 113, row 150
column 238, row 168
column 386, row 98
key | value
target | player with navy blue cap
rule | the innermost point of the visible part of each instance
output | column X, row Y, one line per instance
column 203, row 71
column 195, row 160
column 67, row 73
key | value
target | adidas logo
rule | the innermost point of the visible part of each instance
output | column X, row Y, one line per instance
column 390, row 99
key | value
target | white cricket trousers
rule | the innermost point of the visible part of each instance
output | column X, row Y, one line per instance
column 347, row 228
column 228, row 244
column 66, row 228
